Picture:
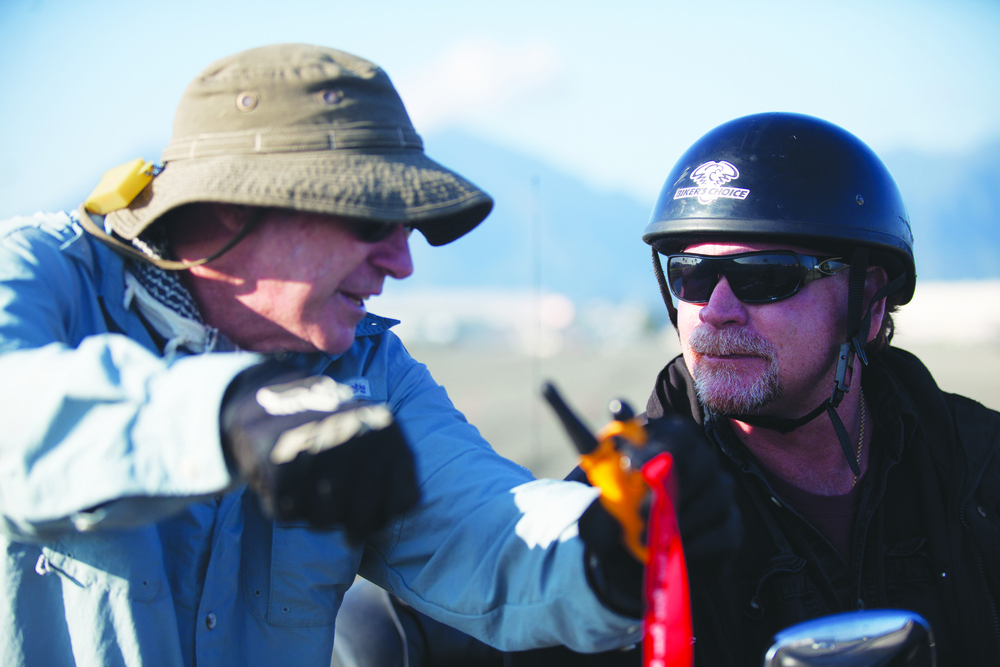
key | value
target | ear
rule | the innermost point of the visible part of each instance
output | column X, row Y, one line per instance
column 232, row 217
column 199, row 230
column 203, row 222
column 875, row 280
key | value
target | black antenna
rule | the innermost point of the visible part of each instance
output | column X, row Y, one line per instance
column 578, row 432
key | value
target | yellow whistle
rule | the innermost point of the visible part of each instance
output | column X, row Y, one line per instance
column 119, row 186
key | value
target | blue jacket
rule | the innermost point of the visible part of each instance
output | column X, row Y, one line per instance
column 126, row 541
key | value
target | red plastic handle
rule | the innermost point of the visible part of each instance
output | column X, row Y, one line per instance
column 667, row 639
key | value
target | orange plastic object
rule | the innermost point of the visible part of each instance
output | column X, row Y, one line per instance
column 622, row 486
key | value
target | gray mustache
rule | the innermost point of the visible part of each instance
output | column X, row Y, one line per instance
column 728, row 342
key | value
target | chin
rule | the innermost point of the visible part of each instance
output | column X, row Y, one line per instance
column 734, row 393
column 335, row 345
column 337, row 350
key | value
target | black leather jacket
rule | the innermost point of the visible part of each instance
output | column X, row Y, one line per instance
column 926, row 538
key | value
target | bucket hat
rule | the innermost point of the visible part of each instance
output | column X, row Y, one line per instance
column 306, row 128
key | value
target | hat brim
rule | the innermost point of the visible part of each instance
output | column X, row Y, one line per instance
column 388, row 186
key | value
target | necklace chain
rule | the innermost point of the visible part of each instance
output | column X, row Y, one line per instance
column 861, row 435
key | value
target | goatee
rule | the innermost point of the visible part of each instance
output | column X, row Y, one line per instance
column 725, row 389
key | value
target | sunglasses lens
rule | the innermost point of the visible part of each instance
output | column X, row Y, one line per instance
column 372, row 232
column 762, row 278
column 691, row 278
column 753, row 278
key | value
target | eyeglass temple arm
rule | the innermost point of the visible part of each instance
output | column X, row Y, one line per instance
column 94, row 229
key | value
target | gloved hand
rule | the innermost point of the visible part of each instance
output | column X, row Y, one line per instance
column 311, row 452
column 708, row 518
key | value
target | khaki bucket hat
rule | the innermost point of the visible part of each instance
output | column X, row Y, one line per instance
column 306, row 128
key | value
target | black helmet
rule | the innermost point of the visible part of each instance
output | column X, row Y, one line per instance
column 787, row 176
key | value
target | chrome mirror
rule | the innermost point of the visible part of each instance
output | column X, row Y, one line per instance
column 871, row 638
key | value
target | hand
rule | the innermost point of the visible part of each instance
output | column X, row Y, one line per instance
column 311, row 452
column 708, row 518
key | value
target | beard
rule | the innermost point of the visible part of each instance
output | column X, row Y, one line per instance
column 725, row 389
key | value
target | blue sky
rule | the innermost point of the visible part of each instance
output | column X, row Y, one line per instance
column 609, row 91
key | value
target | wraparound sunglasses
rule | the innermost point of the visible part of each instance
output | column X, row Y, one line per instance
column 374, row 232
column 754, row 277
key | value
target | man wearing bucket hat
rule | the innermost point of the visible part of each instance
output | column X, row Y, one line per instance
column 206, row 436
column 782, row 246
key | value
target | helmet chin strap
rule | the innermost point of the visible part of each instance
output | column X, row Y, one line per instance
column 857, row 331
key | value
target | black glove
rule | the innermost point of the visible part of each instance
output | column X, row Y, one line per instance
column 311, row 452
column 709, row 520
column 707, row 515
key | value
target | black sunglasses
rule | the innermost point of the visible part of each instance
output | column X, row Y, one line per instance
column 754, row 277
column 374, row 232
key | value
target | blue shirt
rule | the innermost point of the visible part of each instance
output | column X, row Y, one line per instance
column 126, row 541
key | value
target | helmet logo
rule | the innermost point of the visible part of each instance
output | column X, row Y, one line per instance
column 711, row 178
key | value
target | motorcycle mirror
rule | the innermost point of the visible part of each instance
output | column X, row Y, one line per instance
column 870, row 638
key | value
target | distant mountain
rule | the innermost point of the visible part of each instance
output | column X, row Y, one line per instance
column 954, row 207
column 548, row 230
column 551, row 231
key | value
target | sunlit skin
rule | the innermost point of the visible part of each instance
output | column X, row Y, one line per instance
column 805, row 332
column 297, row 282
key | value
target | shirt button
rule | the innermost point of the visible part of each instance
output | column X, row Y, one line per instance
column 211, row 621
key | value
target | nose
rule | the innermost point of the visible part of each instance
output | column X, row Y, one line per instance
column 392, row 254
column 723, row 308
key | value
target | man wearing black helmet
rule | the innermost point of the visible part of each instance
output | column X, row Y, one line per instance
column 782, row 247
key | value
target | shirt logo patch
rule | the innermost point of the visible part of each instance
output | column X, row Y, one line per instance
column 711, row 178
column 360, row 386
